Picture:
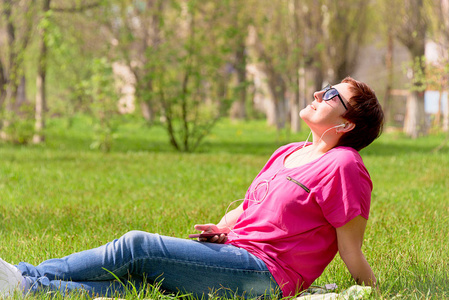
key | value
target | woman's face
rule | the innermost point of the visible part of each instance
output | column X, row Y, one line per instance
column 321, row 115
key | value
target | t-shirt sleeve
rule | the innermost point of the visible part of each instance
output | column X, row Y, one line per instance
column 345, row 192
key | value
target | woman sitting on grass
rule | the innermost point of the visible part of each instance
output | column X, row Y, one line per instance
column 308, row 202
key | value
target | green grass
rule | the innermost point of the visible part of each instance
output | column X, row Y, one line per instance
column 63, row 197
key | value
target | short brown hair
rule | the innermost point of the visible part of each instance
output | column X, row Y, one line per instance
column 365, row 112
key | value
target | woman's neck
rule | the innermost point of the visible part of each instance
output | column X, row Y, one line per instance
column 325, row 142
column 305, row 155
column 321, row 143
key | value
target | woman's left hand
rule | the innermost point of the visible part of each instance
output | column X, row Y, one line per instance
column 219, row 238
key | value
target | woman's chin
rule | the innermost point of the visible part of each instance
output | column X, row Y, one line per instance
column 303, row 114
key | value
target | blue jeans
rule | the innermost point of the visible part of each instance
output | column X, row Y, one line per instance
column 180, row 265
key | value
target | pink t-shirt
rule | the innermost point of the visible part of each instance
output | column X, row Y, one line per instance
column 290, row 214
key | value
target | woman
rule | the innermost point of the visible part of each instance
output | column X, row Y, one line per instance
column 308, row 202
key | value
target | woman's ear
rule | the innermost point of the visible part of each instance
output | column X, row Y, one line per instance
column 348, row 126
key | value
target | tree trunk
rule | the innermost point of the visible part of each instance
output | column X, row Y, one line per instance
column 146, row 103
column 298, row 99
column 415, row 118
column 11, row 91
column 238, row 109
column 278, row 90
column 412, row 34
column 11, row 77
column 147, row 112
column 446, row 114
column 295, row 124
column 21, row 95
column 39, row 125
column 40, row 107
column 437, row 121
column 390, row 76
column 2, row 86
column 415, row 121
column 318, row 78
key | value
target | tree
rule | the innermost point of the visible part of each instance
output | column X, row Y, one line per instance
column 296, row 62
column 40, row 105
column 440, row 74
column 187, row 70
column 135, row 28
column 240, row 20
column 307, row 36
column 18, row 18
column 301, row 44
column 412, row 34
column 440, row 35
column 387, row 21
column 45, row 31
column 345, row 32
column 275, row 53
column 100, row 89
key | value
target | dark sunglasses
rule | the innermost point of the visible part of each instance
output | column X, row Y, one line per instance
column 330, row 93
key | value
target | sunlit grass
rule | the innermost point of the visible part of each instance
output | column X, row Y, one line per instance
column 63, row 197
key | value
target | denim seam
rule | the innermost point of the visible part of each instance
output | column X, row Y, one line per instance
column 199, row 263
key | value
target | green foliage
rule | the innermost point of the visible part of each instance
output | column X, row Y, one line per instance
column 186, row 72
column 73, row 47
column 55, row 39
column 184, row 53
column 20, row 125
column 100, row 90
column 419, row 82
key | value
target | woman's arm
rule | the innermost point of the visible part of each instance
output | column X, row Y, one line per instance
column 228, row 221
column 350, row 240
column 224, row 226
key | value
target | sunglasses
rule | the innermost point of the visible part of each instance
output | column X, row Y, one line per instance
column 331, row 93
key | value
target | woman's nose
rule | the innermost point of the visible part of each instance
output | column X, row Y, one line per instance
column 318, row 95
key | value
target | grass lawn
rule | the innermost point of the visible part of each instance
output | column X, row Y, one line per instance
column 63, row 197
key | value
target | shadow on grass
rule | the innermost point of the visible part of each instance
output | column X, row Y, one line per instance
column 250, row 138
column 257, row 147
column 402, row 147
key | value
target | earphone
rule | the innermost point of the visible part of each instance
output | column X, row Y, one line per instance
column 333, row 127
column 343, row 125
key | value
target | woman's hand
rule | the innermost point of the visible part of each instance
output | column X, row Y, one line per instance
column 219, row 238
column 222, row 228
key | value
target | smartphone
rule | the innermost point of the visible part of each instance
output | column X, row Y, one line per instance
column 205, row 235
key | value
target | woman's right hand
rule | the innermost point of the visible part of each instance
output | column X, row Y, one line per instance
column 219, row 238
